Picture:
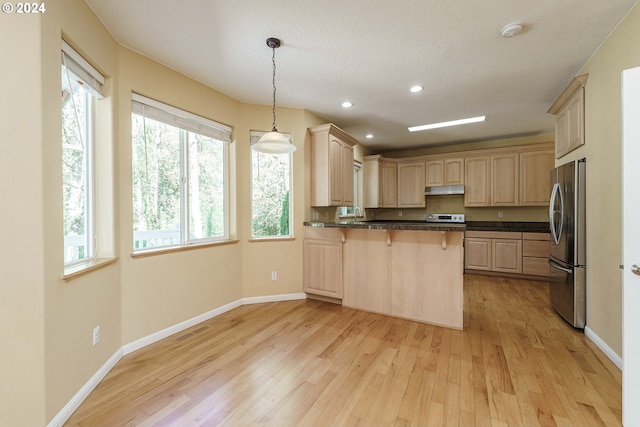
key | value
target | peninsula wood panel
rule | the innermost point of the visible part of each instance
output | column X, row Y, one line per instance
column 366, row 270
column 426, row 279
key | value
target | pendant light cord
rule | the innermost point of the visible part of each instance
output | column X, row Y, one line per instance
column 273, row 60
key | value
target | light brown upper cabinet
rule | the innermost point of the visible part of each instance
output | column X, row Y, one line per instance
column 411, row 183
column 380, row 176
column 444, row 172
column 504, row 179
column 535, row 177
column 518, row 176
column 331, row 166
column 569, row 112
column 477, row 181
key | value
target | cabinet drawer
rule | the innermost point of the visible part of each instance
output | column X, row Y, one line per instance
column 494, row 234
column 536, row 248
column 323, row 233
column 536, row 236
column 535, row 266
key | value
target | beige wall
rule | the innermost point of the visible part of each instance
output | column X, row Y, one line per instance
column 22, row 377
column 602, row 149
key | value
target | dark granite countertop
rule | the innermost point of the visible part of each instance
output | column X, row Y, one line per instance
column 389, row 225
column 530, row 227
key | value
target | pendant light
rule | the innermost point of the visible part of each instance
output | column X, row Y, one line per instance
column 274, row 142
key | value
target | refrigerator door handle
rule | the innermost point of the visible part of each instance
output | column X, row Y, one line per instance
column 556, row 229
column 559, row 267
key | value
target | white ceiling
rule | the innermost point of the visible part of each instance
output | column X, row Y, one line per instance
column 372, row 51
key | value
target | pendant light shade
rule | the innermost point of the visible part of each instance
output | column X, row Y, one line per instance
column 274, row 142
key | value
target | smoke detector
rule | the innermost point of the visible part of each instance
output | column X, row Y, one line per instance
column 511, row 30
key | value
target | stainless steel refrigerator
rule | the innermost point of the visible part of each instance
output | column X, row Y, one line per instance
column 568, row 258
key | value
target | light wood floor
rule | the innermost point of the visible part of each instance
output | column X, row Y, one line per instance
column 310, row 363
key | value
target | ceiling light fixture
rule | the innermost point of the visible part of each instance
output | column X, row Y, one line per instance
column 416, row 88
column 274, row 142
column 447, row 124
column 369, row 136
column 347, row 104
column 511, row 30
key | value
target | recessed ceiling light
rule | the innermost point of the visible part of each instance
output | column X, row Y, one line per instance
column 449, row 123
column 416, row 88
column 369, row 136
column 347, row 104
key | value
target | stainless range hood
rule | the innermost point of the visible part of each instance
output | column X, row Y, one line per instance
column 443, row 190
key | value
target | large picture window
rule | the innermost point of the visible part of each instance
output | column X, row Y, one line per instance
column 180, row 177
column 81, row 86
column 271, row 207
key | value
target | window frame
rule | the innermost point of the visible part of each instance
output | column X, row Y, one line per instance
column 73, row 64
column 254, row 136
column 186, row 123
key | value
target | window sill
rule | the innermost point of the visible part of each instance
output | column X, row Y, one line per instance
column 162, row 251
column 271, row 239
column 86, row 267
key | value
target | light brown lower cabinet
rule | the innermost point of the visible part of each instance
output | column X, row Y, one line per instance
column 322, row 262
column 507, row 252
column 535, row 252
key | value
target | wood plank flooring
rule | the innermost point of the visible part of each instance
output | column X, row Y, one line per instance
column 312, row 363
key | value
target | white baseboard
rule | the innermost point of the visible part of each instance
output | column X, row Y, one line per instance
column 157, row 336
column 608, row 351
column 274, row 298
column 86, row 389
column 75, row 402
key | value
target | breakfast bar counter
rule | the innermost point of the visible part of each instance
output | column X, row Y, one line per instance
column 410, row 270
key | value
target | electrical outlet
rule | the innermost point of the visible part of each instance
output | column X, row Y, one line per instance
column 96, row 335
column 315, row 216
column 400, row 213
column 274, row 275
column 500, row 214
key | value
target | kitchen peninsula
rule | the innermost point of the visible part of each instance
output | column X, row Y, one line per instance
column 412, row 270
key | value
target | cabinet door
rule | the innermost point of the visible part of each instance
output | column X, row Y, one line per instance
column 389, row 182
column 575, row 118
column 347, row 175
column 322, row 265
column 371, row 171
column 562, row 142
column 434, row 173
column 507, row 255
column 335, row 170
column 504, row 180
column 477, row 253
column 535, row 177
column 454, row 171
column 477, row 174
column 411, row 177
